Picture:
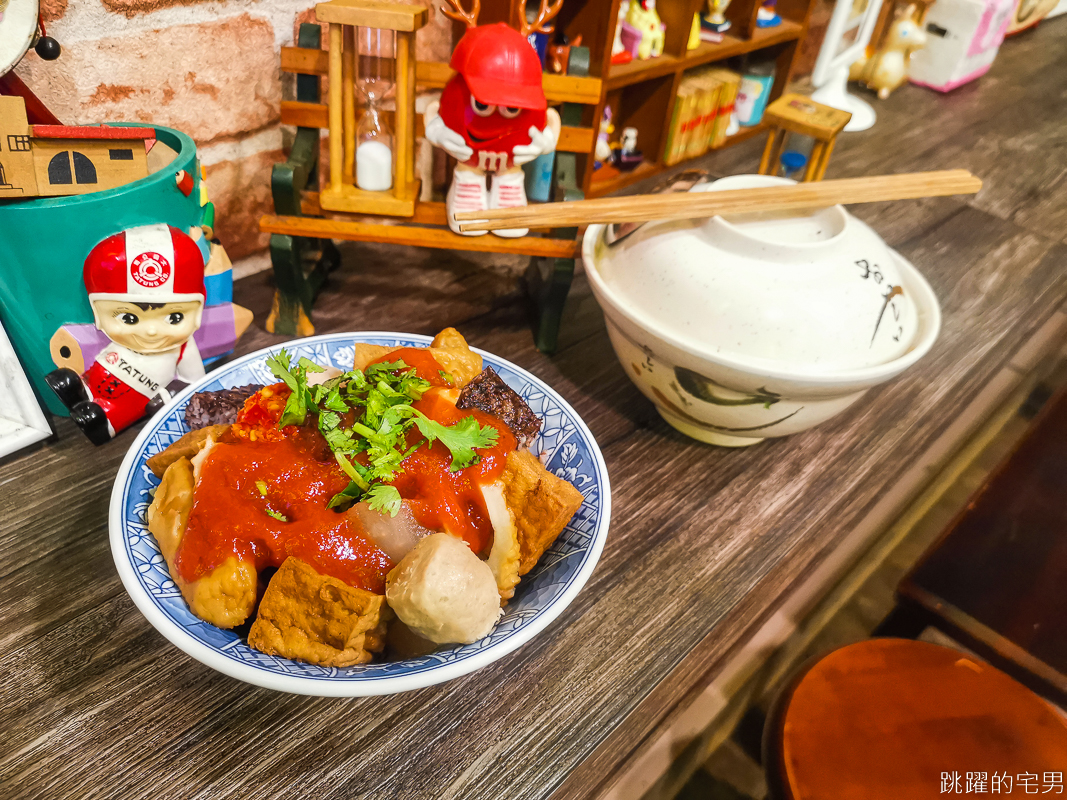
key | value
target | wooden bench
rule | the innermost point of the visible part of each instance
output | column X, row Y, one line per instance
column 301, row 247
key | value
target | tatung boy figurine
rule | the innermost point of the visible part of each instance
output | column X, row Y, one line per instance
column 146, row 287
column 492, row 116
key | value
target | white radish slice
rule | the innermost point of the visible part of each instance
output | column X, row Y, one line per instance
column 504, row 557
column 315, row 378
column 198, row 460
column 396, row 536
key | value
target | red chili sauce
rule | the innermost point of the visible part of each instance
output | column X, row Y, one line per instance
column 439, row 499
column 230, row 514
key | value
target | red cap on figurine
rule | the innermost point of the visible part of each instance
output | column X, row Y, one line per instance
column 500, row 67
column 149, row 264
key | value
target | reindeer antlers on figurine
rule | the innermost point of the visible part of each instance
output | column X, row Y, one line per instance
column 471, row 17
column 544, row 14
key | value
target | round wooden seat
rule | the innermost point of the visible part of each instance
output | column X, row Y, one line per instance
column 895, row 718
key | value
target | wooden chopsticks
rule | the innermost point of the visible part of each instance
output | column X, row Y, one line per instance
column 690, row 205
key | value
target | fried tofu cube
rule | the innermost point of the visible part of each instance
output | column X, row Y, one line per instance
column 187, row 446
column 225, row 596
column 366, row 353
column 455, row 356
column 542, row 503
column 311, row 617
column 449, row 348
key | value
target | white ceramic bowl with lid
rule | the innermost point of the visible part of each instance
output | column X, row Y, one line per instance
column 761, row 325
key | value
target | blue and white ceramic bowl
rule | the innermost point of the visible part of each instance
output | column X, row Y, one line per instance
column 541, row 596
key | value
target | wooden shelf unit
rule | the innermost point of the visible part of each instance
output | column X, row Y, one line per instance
column 607, row 179
column 642, row 93
column 705, row 53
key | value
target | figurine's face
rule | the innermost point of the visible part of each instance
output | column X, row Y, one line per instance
column 155, row 330
column 484, row 126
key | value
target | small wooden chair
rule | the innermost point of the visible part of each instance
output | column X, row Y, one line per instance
column 301, row 247
column 795, row 113
column 886, row 719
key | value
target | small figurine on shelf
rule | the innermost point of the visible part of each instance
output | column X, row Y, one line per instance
column 603, row 146
column 627, row 157
column 767, row 15
column 694, row 34
column 559, row 55
column 642, row 15
column 492, row 116
column 886, row 69
column 715, row 20
column 146, row 288
column 627, row 38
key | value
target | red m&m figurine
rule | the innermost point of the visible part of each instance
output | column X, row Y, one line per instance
column 492, row 116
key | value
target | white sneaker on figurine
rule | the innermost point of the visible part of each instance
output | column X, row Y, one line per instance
column 467, row 193
column 509, row 191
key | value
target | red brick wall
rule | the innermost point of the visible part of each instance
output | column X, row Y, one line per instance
column 206, row 67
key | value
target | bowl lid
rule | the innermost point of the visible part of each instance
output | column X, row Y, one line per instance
column 818, row 291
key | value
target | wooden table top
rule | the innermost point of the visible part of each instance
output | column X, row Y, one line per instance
column 705, row 542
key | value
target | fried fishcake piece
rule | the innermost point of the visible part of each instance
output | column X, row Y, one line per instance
column 186, row 447
column 311, row 617
column 448, row 347
column 541, row 503
column 226, row 596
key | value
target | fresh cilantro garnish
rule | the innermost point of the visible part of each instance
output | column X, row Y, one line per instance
column 277, row 515
column 261, row 487
column 352, row 472
column 460, row 439
column 334, row 401
column 371, row 448
column 447, row 377
column 295, row 378
column 384, row 498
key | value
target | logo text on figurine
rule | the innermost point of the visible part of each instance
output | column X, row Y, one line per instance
column 493, row 162
column 132, row 371
column 150, row 270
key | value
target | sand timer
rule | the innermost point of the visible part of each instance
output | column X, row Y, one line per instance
column 376, row 48
column 371, row 60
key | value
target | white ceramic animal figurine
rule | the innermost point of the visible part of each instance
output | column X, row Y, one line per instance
column 886, row 69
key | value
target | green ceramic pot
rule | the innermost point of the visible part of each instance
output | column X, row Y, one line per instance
column 44, row 242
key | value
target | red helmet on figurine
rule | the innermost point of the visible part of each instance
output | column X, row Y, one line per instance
column 500, row 67
column 147, row 264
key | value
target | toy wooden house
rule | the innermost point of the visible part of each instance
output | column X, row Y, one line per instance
column 54, row 160
column 17, row 177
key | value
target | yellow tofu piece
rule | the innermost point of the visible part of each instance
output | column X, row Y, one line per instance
column 185, row 447
column 449, row 348
column 311, row 617
column 541, row 503
column 226, row 596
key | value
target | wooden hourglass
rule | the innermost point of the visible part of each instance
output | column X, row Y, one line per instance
column 374, row 136
column 372, row 162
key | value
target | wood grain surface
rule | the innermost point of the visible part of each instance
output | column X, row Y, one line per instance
column 705, row 542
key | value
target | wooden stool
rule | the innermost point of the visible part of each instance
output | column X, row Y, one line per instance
column 895, row 718
column 794, row 113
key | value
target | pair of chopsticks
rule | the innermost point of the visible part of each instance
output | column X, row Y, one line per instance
column 693, row 205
